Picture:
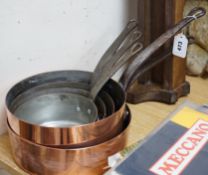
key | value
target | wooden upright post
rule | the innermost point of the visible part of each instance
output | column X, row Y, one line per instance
column 166, row 81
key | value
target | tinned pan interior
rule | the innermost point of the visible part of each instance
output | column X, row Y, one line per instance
column 80, row 135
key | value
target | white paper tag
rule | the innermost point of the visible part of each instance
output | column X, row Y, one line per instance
column 180, row 45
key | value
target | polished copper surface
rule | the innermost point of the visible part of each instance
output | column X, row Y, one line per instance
column 76, row 136
column 43, row 160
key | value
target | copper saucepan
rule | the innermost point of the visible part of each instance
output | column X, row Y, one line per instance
column 95, row 130
column 40, row 159
column 77, row 136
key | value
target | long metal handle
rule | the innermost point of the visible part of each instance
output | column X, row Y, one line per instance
column 111, row 68
column 155, row 61
column 124, row 48
column 132, row 25
column 130, row 75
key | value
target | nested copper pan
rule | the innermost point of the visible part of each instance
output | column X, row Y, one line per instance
column 44, row 109
column 94, row 132
column 76, row 136
column 108, row 101
column 39, row 159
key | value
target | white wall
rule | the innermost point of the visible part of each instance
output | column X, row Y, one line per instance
column 43, row 35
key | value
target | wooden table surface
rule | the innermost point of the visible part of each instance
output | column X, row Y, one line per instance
column 146, row 117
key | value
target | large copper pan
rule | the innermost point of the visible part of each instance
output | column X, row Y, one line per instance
column 39, row 159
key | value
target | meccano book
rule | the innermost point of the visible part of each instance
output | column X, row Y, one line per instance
column 178, row 146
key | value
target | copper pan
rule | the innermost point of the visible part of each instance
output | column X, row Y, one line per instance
column 76, row 136
column 39, row 159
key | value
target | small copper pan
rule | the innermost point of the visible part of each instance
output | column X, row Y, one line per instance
column 39, row 159
column 76, row 136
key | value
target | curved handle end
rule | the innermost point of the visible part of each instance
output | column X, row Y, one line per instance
column 197, row 12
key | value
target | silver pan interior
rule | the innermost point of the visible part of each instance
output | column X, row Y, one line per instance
column 56, row 108
column 44, row 98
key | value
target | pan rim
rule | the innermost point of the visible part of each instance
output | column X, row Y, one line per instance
column 123, row 131
column 8, row 105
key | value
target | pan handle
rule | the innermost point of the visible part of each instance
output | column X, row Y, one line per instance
column 131, row 26
column 150, row 64
column 123, row 48
column 132, row 71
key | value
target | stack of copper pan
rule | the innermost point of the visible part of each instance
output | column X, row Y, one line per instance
column 54, row 133
column 70, row 122
column 79, row 149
